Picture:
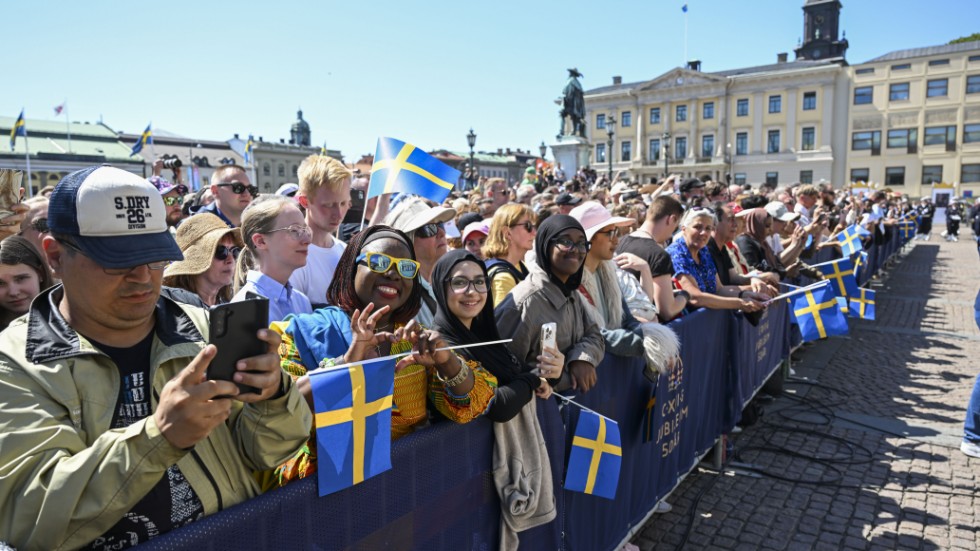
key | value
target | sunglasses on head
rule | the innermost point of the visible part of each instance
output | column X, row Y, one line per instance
column 381, row 263
column 237, row 188
column 222, row 252
column 171, row 201
column 430, row 230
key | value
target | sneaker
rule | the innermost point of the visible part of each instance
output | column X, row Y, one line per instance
column 970, row 448
column 662, row 508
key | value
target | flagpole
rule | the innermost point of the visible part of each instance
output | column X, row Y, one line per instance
column 685, row 38
column 67, row 124
column 573, row 402
column 27, row 157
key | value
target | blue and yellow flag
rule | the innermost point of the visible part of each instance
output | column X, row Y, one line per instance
column 145, row 138
column 19, row 129
column 352, row 410
column 402, row 167
column 817, row 313
column 860, row 261
column 840, row 273
column 596, row 456
column 323, row 150
column 906, row 229
column 850, row 239
column 249, row 146
column 862, row 305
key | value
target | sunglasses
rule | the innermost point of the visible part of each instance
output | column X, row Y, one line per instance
column 566, row 245
column 460, row 285
column 430, row 230
column 222, row 252
column 237, row 188
column 528, row 226
column 171, row 201
column 381, row 263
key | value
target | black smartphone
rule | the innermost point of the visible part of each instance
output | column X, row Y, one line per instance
column 233, row 328
column 353, row 215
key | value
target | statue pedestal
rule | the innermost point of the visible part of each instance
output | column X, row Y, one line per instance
column 572, row 153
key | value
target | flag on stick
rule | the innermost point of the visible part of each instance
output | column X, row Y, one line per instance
column 402, row 167
column 596, row 456
column 817, row 313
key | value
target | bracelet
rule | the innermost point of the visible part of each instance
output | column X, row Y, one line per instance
column 685, row 294
column 464, row 371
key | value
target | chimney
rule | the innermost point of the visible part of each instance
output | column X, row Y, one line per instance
column 500, row 151
column 694, row 65
column 282, row 140
column 781, row 57
column 260, row 138
column 508, row 151
column 236, row 136
column 617, row 80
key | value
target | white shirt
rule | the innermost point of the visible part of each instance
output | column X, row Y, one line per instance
column 775, row 243
column 314, row 278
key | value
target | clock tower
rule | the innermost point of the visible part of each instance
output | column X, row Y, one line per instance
column 821, row 29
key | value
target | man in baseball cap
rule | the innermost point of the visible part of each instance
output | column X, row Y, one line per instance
column 566, row 202
column 173, row 198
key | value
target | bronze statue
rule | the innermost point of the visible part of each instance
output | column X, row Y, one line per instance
column 573, row 105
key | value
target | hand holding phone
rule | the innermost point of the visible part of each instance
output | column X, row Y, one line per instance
column 233, row 330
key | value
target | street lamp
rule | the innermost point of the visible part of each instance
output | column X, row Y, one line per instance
column 543, row 149
column 666, row 140
column 731, row 164
column 471, row 139
column 610, row 131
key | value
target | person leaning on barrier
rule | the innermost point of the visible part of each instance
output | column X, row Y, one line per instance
column 511, row 236
column 763, row 283
column 110, row 433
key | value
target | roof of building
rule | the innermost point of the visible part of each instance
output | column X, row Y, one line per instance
column 47, row 137
column 927, row 51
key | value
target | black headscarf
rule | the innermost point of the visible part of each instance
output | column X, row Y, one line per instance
column 495, row 358
column 547, row 231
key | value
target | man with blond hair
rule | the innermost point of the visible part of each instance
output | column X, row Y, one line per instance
column 324, row 191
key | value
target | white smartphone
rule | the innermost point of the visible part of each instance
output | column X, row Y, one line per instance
column 548, row 340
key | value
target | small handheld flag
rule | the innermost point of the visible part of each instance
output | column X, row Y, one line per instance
column 860, row 261
column 817, row 313
column 863, row 304
column 850, row 239
column 19, row 129
column 596, row 456
column 145, row 138
column 249, row 146
column 906, row 230
column 352, row 408
column 402, row 167
column 840, row 273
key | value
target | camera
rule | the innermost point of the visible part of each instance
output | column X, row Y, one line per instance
column 172, row 164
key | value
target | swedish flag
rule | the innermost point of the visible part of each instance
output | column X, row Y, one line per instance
column 850, row 239
column 19, row 129
column 249, row 146
column 860, row 261
column 352, row 406
column 863, row 305
column 596, row 456
column 818, row 314
column 906, row 229
column 841, row 273
column 145, row 138
column 401, row 167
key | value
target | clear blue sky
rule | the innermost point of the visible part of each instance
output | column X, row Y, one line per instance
column 424, row 72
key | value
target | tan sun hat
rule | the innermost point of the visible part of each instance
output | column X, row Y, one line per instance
column 198, row 237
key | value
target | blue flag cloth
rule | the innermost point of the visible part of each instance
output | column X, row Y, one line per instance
column 850, row 239
column 249, row 146
column 860, row 261
column 841, row 275
column 145, row 138
column 906, row 230
column 402, row 167
column 596, row 456
column 818, row 314
column 352, row 409
column 863, row 304
column 19, row 129
column 684, row 8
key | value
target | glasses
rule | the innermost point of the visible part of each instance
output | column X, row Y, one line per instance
column 40, row 225
column 528, row 226
column 461, row 285
column 222, row 252
column 179, row 200
column 612, row 233
column 296, row 231
column 156, row 266
column 430, row 230
column 566, row 245
column 237, row 188
column 381, row 263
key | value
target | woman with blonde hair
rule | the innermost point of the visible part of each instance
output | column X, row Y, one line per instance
column 511, row 236
column 210, row 250
column 277, row 240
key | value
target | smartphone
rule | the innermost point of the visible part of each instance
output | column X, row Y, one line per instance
column 548, row 340
column 353, row 215
column 10, row 182
column 233, row 329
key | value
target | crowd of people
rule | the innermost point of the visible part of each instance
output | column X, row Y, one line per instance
column 113, row 434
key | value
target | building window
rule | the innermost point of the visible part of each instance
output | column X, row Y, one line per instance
column 932, row 174
column 898, row 91
column 772, row 178
column 902, row 67
column 740, row 178
column 626, row 151
column 681, row 113
column 600, row 152
column 941, row 135
column 809, row 138
column 862, row 141
column 775, row 104
column 938, row 62
column 626, row 118
column 971, row 133
column 742, row 143
column 654, row 115
column 266, row 169
column 680, row 148
column 707, row 146
column 295, row 170
column 860, row 175
column 970, row 174
column 866, row 71
column 600, row 121
column 773, row 143
column 708, row 110
column 895, row 176
column 809, row 101
column 282, row 169
column 937, row 88
column 742, row 108
column 806, row 176
column 974, row 58
column 973, row 84
column 655, row 150
column 863, row 95
column 898, row 138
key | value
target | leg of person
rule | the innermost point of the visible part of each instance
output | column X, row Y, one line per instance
column 971, row 426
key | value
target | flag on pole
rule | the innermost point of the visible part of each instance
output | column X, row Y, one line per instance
column 906, row 229
column 352, row 406
column 145, row 138
column 850, row 239
column 863, row 304
column 19, row 129
column 596, row 456
column 841, row 273
column 249, row 145
column 860, row 261
column 817, row 313
column 402, row 167
column 59, row 108
column 323, row 150
column 684, row 8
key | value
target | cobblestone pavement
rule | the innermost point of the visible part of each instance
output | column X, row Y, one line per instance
column 886, row 415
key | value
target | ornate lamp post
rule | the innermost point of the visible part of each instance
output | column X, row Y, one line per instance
column 471, row 140
column 543, row 149
column 666, row 142
column 729, row 178
column 610, row 132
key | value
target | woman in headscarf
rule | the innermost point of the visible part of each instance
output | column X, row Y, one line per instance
column 754, row 243
column 464, row 315
column 549, row 294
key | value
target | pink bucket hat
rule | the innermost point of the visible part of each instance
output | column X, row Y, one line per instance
column 594, row 217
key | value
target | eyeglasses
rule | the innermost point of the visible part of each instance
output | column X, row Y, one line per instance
column 612, row 233
column 156, row 266
column 528, row 226
column 566, row 245
column 40, row 225
column 295, row 231
column 237, row 188
column 430, row 230
column 222, row 252
column 461, row 285
column 179, row 200
column 381, row 263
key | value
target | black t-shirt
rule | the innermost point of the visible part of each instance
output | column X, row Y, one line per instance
column 172, row 503
column 647, row 249
column 723, row 262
